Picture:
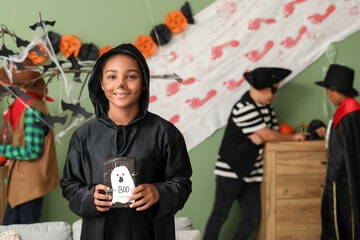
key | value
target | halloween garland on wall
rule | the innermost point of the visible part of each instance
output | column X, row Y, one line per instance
column 40, row 56
column 174, row 23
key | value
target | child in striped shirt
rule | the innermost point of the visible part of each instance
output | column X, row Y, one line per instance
column 238, row 170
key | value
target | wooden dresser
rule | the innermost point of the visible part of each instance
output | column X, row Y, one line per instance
column 291, row 191
column 3, row 200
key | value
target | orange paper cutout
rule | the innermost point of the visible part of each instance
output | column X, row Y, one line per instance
column 176, row 21
column 146, row 45
column 70, row 44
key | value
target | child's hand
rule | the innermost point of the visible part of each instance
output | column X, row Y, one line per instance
column 146, row 195
column 321, row 132
column 301, row 136
column 256, row 139
column 7, row 163
column 101, row 200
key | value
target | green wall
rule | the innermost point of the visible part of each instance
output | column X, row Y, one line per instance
column 114, row 22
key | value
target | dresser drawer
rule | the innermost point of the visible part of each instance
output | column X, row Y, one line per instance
column 298, row 214
column 300, row 186
column 297, row 162
column 298, row 235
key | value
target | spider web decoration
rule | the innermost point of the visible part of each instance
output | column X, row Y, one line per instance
column 52, row 68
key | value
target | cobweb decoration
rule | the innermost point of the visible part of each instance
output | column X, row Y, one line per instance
column 331, row 53
column 54, row 68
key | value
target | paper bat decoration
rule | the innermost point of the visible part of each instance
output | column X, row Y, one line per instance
column 5, row 52
column 40, row 23
column 51, row 120
column 75, row 66
column 76, row 109
column 21, row 43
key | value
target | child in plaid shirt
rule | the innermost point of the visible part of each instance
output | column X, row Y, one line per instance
column 32, row 164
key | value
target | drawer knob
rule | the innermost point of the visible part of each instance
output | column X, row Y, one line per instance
column 323, row 162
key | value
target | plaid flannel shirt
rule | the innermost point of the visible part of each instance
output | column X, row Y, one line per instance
column 34, row 139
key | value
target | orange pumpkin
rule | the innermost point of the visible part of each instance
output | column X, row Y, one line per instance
column 285, row 128
column 34, row 56
column 70, row 44
column 104, row 50
column 2, row 159
column 146, row 45
column 176, row 21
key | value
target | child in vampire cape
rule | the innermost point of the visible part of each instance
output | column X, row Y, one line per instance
column 341, row 198
column 123, row 127
column 238, row 170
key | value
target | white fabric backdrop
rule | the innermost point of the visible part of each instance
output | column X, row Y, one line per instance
column 231, row 37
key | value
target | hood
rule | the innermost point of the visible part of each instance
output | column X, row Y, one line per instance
column 97, row 95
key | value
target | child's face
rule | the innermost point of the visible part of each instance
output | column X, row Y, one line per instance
column 267, row 94
column 122, row 82
column 334, row 96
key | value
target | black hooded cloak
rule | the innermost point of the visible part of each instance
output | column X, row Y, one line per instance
column 161, row 159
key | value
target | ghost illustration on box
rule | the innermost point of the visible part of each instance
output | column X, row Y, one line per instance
column 122, row 184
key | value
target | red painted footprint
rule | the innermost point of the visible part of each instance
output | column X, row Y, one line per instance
column 196, row 102
column 173, row 56
column 255, row 56
column 152, row 99
column 354, row 10
column 291, row 42
column 318, row 18
column 255, row 24
column 289, row 7
column 174, row 87
column 217, row 51
column 233, row 84
column 174, row 119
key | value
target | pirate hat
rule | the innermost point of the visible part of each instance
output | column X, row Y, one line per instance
column 264, row 77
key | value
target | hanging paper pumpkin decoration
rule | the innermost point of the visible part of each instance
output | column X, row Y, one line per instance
column 37, row 54
column 146, row 45
column 163, row 33
column 185, row 9
column 104, row 50
column 55, row 41
column 70, row 44
column 176, row 21
column 88, row 52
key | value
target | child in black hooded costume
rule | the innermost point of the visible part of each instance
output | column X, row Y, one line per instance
column 119, row 91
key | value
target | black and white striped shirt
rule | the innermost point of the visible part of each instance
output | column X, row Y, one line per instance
column 246, row 118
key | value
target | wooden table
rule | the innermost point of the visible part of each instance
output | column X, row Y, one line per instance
column 3, row 200
column 291, row 191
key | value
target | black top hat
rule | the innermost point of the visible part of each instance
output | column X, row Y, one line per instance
column 340, row 78
column 264, row 77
